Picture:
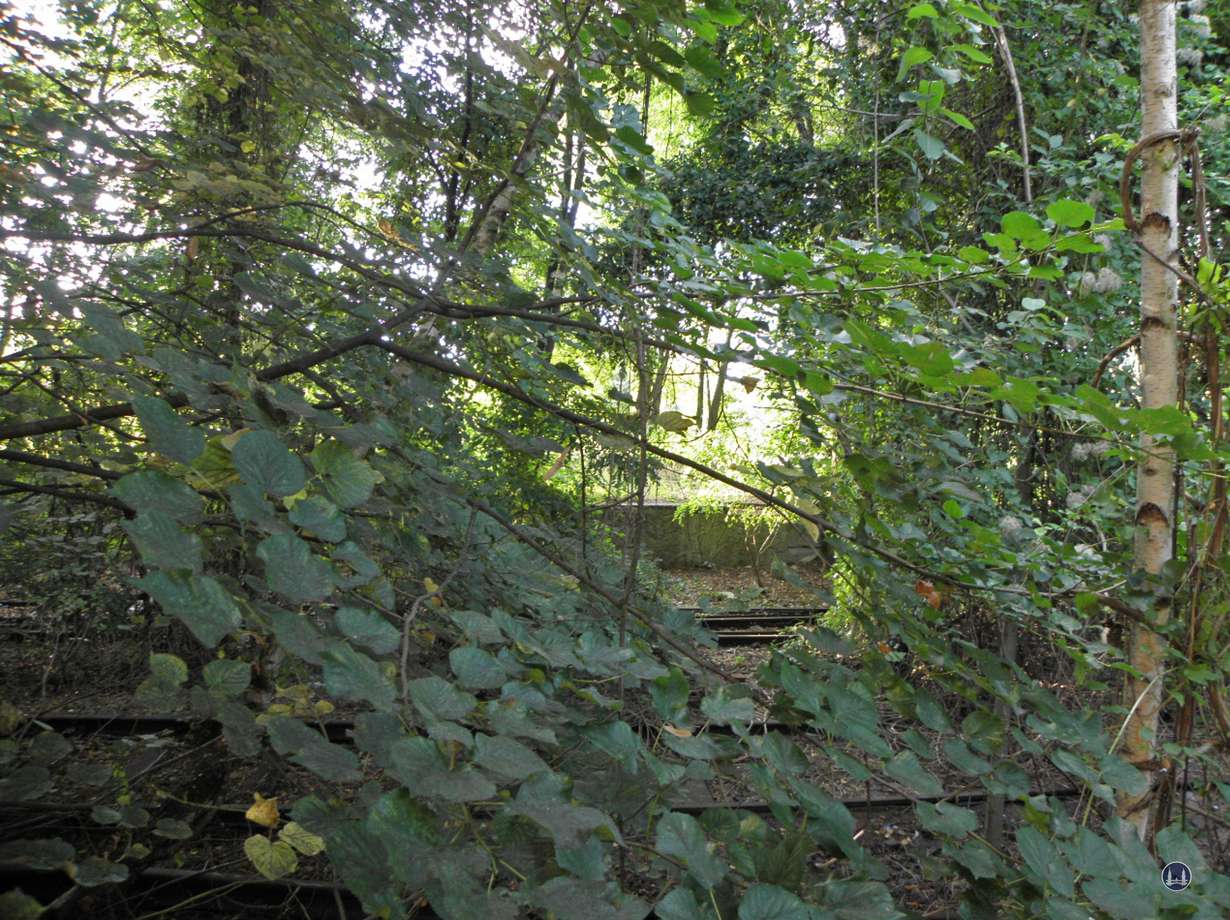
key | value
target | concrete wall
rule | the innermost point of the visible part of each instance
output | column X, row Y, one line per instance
column 715, row 539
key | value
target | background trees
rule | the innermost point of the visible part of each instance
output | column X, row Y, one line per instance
column 334, row 311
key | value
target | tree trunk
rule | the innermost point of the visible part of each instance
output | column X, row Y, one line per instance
column 1143, row 692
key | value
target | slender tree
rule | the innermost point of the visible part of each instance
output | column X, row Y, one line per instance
column 1155, row 493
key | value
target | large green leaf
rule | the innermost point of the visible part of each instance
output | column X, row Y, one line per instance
column 476, row 668
column 584, row 899
column 227, row 677
column 906, row 769
column 156, row 491
column 669, row 693
column 768, row 902
column 265, row 464
column 293, row 570
column 167, row 431
column 348, row 480
column 1045, row 860
column 437, row 698
column 507, row 757
column 681, row 836
column 351, row 675
column 307, row 747
column 163, row 543
column 368, row 628
column 320, row 517
column 272, row 858
column 205, row 607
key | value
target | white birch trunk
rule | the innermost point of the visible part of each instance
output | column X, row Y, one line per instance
column 1159, row 354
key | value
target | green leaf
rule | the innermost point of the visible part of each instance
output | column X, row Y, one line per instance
column 569, row 825
column 168, row 433
column 669, row 693
column 154, row 491
column 680, row 904
column 946, row 818
column 961, row 757
column 163, row 543
column 681, row 836
column 1067, row 213
column 17, row 905
column 958, row 118
column 320, row 517
column 906, row 769
column 49, row 747
column 172, row 829
column 302, row 839
column 1121, row 775
column 348, row 480
column 226, row 677
column 699, row 104
column 352, row 675
column 293, row 571
column 674, row 421
column 437, row 698
column 215, row 466
column 922, row 9
column 507, row 757
column 272, row 858
column 724, row 12
column 701, row 59
column 978, row 57
column 476, row 668
column 724, row 707
column 589, row 861
column 201, row 603
column 932, row 147
column 768, row 902
column 984, row 729
column 974, row 12
column 1046, row 861
column 1124, row 900
column 1019, row 225
column 910, row 58
column 787, row 861
column 309, row 748
column 25, row 784
column 265, row 464
column 36, row 854
column 368, row 628
column 586, row 899
column 168, row 668
column 95, row 870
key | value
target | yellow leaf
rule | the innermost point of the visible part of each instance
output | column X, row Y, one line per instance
column 230, row 440
column 674, row 421
column 264, row 812
column 432, row 588
column 555, row 467
column 750, row 383
column 810, row 507
column 678, row 732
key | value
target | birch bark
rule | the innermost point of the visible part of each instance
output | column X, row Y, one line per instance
column 1143, row 693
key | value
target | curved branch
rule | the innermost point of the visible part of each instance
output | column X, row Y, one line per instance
column 20, row 456
column 66, row 494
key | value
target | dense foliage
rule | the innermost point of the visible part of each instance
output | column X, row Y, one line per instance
column 329, row 328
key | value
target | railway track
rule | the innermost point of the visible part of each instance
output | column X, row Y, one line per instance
column 227, row 888
column 756, row 626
